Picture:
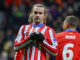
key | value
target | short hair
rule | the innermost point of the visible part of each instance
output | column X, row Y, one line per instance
column 45, row 12
column 72, row 21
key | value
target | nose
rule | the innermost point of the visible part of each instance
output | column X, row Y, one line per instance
column 38, row 15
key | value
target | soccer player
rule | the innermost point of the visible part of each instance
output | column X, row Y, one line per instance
column 69, row 40
column 35, row 39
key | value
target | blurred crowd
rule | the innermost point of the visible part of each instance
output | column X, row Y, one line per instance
column 14, row 13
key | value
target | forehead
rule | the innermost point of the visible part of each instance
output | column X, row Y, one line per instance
column 38, row 9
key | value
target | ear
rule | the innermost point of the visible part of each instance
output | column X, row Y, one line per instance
column 66, row 25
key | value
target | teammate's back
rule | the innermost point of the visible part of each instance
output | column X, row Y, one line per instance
column 68, row 45
column 69, row 40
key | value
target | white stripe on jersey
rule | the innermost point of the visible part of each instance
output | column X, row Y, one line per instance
column 25, row 31
column 33, row 48
column 30, row 30
column 26, row 28
column 19, row 36
column 54, row 47
column 36, row 29
column 51, row 35
column 15, row 56
column 28, row 52
column 43, row 30
column 39, row 54
column 33, row 53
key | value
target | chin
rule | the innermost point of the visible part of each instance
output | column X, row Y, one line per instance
column 37, row 21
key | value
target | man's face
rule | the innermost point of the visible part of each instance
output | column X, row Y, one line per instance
column 38, row 14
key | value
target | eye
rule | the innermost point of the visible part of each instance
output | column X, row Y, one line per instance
column 40, row 12
column 35, row 12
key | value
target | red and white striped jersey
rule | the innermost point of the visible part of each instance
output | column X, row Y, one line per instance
column 34, row 52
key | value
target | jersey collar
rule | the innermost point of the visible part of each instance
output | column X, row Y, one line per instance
column 71, row 30
column 40, row 25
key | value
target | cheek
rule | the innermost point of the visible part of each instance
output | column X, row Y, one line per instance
column 42, row 16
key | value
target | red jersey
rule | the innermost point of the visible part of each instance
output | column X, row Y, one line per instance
column 33, row 52
column 68, row 45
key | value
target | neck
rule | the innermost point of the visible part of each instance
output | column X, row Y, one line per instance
column 37, row 23
column 71, row 29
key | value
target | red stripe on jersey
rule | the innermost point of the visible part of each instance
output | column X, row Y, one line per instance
column 53, row 33
column 51, row 49
column 23, row 32
column 33, row 30
column 36, row 49
column 16, row 44
column 43, row 54
column 48, row 38
column 29, row 29
column 20, row 52
column 18, row 55
column 36, row 53
column 30, row 47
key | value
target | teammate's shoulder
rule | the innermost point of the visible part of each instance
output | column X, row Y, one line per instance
column 60, row 34
column 78, row 34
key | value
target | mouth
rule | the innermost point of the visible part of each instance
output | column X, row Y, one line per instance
column 36, row 18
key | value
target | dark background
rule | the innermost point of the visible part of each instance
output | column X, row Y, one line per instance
column 14, row 13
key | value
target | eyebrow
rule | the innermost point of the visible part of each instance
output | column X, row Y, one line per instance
column 38, row 12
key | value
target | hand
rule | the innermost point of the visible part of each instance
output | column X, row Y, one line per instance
column 39, row 37
column 33, row 36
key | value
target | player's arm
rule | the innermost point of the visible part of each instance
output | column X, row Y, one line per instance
column 18, row 55
column 20, row 42
column 50, row 47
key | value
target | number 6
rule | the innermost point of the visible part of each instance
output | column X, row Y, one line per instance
column 66, row 50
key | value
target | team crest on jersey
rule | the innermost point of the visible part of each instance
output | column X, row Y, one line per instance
column 55, row 42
